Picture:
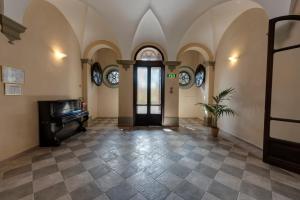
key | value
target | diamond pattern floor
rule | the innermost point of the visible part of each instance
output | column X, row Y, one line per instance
column 108, row 163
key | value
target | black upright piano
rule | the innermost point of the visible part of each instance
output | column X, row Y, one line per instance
column 59, row 120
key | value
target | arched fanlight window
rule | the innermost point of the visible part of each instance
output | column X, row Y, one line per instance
column 149, row 53
column 111, row 76
column 186, row 77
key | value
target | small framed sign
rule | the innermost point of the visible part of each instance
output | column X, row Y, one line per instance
column 12, row 89
column 172, row 75
column 13, row 75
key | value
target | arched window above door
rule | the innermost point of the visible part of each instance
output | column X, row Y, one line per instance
column 149, row 53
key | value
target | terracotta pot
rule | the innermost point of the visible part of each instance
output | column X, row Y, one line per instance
column 214, row 132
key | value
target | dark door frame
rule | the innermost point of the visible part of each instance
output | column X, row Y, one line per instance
column 282, row 153
column 148, row 64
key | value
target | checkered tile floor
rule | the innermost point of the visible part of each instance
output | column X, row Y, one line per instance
column 145, row 163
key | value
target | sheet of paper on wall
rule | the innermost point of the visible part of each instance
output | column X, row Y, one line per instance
column 13, row 75
column 12, row 89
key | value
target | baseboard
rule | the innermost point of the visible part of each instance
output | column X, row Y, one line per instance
column 125, row 121
column 241, row 142
column 171, row 122
column 18, row 155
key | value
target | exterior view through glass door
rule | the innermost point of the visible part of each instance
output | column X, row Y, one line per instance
column 148, row 93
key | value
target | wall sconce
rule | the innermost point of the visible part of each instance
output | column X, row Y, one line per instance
column 59, row 55
column 233, row 59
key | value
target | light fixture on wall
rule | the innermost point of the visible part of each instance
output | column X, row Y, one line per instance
column 58, row 54
column 233, row 59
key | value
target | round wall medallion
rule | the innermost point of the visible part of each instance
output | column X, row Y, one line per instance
column 200, row 75
column 111, row 76
column 96, row 74
column 186, row 77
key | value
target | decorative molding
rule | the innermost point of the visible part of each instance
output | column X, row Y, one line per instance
column 126, row 63
column 210, row 63
column 172, row 63
column 18, row 155
column 86, row 61
column 11, row 29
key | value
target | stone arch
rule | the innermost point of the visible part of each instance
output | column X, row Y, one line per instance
column 209, row 64
column 101, row 44
column 86, row 61
column 202, row 49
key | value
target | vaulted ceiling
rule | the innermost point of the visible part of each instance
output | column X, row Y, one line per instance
column 170, row 23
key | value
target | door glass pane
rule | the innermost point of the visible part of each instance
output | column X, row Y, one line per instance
column 155, row 85
column 141, row 110
column 286, row 82
column 285, row 131
column 287, row 33
column 142, row 80
column 156, row 110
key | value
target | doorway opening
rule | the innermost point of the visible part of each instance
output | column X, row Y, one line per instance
column 148, row 87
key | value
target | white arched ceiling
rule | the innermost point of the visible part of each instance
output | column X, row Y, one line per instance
column 118, row 21
column 123, row 16
column 210, row 27
column 75, row 12
column 149, row 30
column 86, row 22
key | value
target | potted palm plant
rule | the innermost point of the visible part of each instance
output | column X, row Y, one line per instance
column 217, row 109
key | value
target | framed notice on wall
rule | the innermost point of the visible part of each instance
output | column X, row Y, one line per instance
column 12, row 89
column 13, row 75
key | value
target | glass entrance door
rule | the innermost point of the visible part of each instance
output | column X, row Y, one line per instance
column 148, row 92
column 282, row 113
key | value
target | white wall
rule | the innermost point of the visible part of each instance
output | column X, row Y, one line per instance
column 107, row 98
column 210, row 27
column 246, row 37
column 46, row 78
column 188, row 98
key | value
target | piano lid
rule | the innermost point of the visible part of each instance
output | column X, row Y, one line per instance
column 63, row 107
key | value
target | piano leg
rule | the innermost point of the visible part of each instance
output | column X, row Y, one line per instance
column 82, row 129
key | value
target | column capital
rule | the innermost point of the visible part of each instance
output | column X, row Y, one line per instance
column 126, row 63
column 210, row 63
column 86, row 61
column 172, row 63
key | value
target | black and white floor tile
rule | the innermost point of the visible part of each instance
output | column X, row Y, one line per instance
column 108, row 163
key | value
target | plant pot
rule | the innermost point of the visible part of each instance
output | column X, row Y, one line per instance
column 214, row 132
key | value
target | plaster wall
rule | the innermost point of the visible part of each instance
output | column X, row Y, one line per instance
column 108, row 98
column 245, row 38
column 188, row 98
column 46, row 78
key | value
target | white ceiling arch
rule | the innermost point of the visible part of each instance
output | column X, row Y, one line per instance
column 209, row 28
column 118, row 21
column 149, row 30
